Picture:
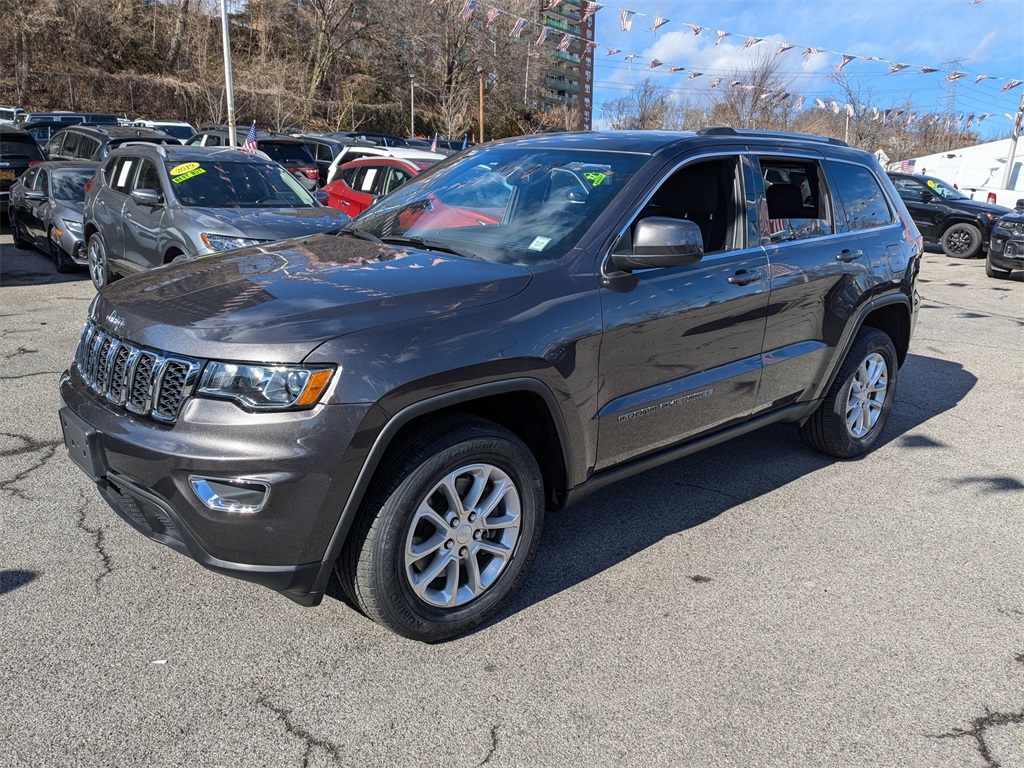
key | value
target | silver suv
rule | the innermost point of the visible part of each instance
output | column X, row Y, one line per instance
column 150, row 205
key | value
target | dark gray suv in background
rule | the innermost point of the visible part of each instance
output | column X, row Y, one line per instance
column 403, row 399
column 151, row 205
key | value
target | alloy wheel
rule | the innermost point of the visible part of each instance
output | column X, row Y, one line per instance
column 866, row 396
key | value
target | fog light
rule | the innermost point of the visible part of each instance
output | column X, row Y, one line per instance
column 244, row 497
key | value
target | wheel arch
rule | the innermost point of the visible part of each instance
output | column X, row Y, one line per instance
column 894, row 319
column 525, row 406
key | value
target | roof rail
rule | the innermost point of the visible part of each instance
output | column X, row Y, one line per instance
column 159, row 147
column 724, row 130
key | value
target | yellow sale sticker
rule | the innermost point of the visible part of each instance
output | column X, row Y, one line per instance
column 183, row 168
column 188, row 174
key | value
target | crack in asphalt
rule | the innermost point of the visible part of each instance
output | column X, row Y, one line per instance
column 494, row 744
column 27, row 375
column 99, row 539
column 20, row 351
column 308, row 739
column 977, row 732
column 31, row 445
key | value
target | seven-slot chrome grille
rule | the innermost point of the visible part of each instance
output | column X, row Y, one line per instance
column 141, row 380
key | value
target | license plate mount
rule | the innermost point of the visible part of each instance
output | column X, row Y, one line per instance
column 83, row 444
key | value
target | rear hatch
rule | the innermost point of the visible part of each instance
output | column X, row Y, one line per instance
column 293, row 155
column 18, row 151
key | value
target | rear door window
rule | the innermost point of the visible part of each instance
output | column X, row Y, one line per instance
column 121, row 179
column 19, row 146
column 796, row 198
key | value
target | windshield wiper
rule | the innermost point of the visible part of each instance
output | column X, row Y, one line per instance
column 430, row 245
column 348, row 230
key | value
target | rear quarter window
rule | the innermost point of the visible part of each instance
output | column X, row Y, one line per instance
column 861, row 197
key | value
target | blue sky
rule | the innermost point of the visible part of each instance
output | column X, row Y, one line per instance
column 988, row 36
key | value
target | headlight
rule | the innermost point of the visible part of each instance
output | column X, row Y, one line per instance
column 265, row 387
column 227, row 243
column 73, row 226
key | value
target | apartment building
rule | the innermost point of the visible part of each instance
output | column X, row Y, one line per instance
column 568, row 85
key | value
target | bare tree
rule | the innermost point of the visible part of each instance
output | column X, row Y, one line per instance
column 644, row 107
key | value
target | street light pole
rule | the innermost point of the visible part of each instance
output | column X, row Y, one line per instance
column 229, row 87
column 412, row 105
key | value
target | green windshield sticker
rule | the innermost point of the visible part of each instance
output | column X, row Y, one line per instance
column 595, row 178
column 188, row 175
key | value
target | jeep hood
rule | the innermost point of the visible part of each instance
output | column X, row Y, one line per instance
column 266, row 223
column 276, row 303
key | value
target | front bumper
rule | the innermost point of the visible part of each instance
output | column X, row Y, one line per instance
column 73, row 245
column 142, row 468
column 1006, row 252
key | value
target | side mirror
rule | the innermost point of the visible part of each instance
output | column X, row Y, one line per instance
column 148, row 197
column 926, row 196
column 659, row 242
column 34, row 194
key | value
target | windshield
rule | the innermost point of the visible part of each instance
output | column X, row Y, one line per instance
column 512, row 204
column 69, row 185
column 944, row 190
column 237, row 185
column 286, row 152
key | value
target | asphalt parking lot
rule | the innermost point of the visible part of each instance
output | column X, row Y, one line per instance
column 756, row 604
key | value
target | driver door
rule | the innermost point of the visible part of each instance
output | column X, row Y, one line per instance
column 681, row 350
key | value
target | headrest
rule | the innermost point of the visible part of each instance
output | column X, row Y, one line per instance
column 784, row 202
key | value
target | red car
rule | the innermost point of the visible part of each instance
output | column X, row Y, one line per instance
column 360, row 182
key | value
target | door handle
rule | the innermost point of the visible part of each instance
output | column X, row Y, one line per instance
column 127, row 214
column 345, row 202
column 744, row 277
column 847, row 255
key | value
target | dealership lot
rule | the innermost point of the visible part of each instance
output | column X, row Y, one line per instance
column 755, row 604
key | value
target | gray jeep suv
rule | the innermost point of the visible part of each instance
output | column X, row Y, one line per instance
column 403, row 399
column 151, row 204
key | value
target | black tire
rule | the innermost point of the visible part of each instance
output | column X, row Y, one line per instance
column 99, row 265
column 1001, row 274
column 20, row 241
column 61, row 261
column 378, row 567
column 961, row 241
column 827, row 430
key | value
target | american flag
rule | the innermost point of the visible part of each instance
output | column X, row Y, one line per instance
column 433, row 144
column 626, row 19
column 517, row 30
column 907, row 166
column 249, row 145
column 467, row 9
column 566, row 42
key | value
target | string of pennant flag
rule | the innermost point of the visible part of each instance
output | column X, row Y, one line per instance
column 627, row 17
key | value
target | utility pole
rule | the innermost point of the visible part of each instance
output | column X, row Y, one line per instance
column 954, row 65
column 229, row 87
column 480, row 73
column 526, row 80
column 1012, row 154
column 412, row 105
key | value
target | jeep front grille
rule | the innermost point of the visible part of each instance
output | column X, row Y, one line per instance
column 141, row 380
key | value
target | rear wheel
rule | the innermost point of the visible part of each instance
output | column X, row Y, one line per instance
column 961, row 241
column 20, row 241
column 852, row 416
column 61, row 261
column 996, row 272
column 448, row 530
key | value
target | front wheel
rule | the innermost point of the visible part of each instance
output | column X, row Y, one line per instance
column 448, row 530
column 852, row 416
column 61, row 261
column 1001, row 274
column 961, row 241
